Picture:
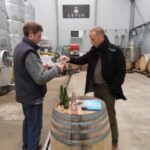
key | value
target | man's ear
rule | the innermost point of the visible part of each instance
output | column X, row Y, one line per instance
column 102, row 36
column 30, row 34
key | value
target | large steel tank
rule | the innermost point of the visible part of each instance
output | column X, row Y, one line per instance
column 4, row 38
column 5, row 61
column 29, row 11
column 121, row 41
column 15, row 10
column 132, row 52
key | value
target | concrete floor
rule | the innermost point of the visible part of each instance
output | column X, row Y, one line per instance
column 133, row 115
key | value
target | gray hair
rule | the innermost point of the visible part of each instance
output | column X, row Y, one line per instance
column 98, row 30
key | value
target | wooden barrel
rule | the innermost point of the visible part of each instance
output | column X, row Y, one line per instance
column 143, row 62
column 148, row 66
column 128, row 65
column 89, row 130
column 136, row 65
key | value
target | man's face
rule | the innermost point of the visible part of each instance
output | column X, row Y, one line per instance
column 35, row 37
column 96, row 39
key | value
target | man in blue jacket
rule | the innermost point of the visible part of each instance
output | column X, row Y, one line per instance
column 105, row 74
column 30, row 80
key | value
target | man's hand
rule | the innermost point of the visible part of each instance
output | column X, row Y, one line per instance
column 61, row 66
column 46, row 66
column 63, row 59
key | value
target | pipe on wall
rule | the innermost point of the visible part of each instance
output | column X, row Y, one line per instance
column 95, row 19
column 57, row 23
column 132, row 14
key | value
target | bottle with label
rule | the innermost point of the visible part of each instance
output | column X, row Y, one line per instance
column 74, row 108
column 61, row 95
column 66, row 99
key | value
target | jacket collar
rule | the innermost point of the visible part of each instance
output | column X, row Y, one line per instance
column 31, row 43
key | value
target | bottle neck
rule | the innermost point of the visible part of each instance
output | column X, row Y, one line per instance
column 73, row 96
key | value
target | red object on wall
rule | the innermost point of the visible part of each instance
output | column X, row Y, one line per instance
column 74, row 47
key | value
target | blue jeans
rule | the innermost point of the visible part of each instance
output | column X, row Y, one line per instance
column 32, row 126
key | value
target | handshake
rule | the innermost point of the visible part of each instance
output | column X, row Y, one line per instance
column 61, row 63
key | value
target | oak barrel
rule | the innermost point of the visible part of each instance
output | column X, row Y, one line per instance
column 143, row 62
column 148, row 66
column 136, row 65
column 89, row 130
column 128, row 65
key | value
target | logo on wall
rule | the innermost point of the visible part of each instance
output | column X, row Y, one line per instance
column 76, row 11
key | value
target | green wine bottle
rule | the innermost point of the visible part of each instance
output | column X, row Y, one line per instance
column 66, row 99
column 61, row 95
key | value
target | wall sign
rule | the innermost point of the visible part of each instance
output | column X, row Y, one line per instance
column 76, row 11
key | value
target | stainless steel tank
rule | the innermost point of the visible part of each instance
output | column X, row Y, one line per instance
column 120, row 40
column 132, row 52
column 5, row 61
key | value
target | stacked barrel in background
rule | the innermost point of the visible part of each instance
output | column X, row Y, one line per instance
column 140, row 62
column 136, row 60
column 143, row 63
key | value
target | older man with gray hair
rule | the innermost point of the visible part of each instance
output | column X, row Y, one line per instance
column 105, row 74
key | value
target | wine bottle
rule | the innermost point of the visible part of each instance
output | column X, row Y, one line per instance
column 66, row 99
column 74, row 109
column 61, row 95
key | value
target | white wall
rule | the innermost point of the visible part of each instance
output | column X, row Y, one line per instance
column 66, row 25
column 45, row 14
column 114, row 14
column 111, row 14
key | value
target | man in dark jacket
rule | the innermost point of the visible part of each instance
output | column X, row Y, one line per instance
column 105, row 74
column 30, row 80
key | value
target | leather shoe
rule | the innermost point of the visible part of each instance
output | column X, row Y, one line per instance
column 39, row 147
column 114, row 147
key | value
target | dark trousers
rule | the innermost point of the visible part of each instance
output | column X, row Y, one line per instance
column 103, row 92
column 32, row 126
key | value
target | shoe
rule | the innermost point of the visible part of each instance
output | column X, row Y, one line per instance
column 114, row 147
column 39, row 147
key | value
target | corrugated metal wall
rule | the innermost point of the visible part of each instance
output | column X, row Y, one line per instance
column 142, row 15
column 142, row 12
